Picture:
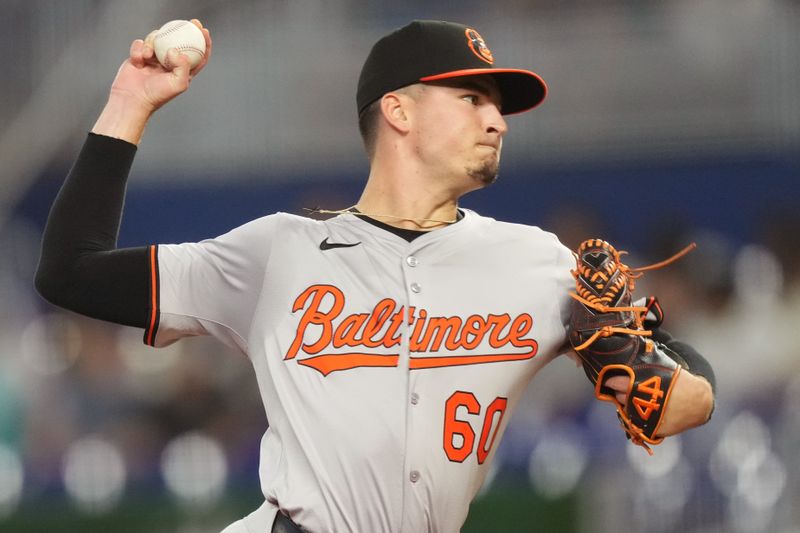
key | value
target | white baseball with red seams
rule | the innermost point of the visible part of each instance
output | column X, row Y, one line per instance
column 184, row 37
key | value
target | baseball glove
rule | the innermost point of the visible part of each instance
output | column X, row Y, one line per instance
column 611, row 334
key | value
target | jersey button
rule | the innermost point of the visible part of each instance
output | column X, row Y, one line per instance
column 414, row 476
column 414, row 398
column 416, row 287
column 412, row 261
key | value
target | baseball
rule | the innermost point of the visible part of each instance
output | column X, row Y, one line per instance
column 184, row 37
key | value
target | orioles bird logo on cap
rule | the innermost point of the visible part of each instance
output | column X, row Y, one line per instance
column 478, row 46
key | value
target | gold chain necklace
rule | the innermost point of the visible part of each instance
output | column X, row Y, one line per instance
column 352, row 210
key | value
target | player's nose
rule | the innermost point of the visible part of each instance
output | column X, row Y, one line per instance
column 495, row 123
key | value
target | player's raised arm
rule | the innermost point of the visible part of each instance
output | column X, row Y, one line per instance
column 143, row 85
column 80, row 267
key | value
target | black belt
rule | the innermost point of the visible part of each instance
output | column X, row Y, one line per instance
column 284, row 524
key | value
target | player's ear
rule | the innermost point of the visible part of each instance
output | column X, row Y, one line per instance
column 395, row 110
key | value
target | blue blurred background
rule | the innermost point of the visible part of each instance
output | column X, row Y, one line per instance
column 667, row 122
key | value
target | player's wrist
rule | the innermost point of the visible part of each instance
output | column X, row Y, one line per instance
column 691, row 405
column 123, row 117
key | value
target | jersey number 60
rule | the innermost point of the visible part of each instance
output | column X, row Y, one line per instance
column 459, row 437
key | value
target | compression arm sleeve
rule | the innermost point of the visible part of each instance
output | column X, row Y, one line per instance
column 80, row 267
column 690, row 358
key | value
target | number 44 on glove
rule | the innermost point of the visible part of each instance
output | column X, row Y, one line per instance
column 610, row 334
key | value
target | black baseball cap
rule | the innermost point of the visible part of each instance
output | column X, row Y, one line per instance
column 429, row 50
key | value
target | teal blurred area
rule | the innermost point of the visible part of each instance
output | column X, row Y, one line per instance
column 667, row 123
column 513, row 509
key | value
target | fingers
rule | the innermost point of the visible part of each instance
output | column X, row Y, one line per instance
column 141, row 52
column 180, row 69
column 146, row 51
column 136, row 56
column 150, row 38
column 619, row 384
column 207, row 56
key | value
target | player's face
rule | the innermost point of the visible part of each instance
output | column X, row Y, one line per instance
column 460, row 130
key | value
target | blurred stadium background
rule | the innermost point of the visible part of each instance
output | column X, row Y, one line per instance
column 667, row 122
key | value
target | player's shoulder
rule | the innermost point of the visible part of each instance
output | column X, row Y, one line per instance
column 268, row 228
column 522, row 238
column 282, row 220
column 515, row 230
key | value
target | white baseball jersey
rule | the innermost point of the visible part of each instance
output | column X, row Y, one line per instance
column 388, row 369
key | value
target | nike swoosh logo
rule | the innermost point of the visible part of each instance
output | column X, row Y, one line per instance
column 325, row 245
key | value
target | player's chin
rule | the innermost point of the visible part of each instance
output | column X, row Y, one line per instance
column 486, row 173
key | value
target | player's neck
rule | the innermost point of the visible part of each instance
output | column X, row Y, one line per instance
column 407, row 205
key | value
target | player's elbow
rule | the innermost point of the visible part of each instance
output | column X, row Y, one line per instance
column 52, row 284
column 45, row 285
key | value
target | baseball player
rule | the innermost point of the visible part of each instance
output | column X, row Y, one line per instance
column 391, row 342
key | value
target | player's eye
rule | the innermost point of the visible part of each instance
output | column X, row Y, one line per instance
column 471, row 98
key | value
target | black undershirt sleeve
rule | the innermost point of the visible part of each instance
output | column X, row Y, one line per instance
column 689, row 357
column 80, row 267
